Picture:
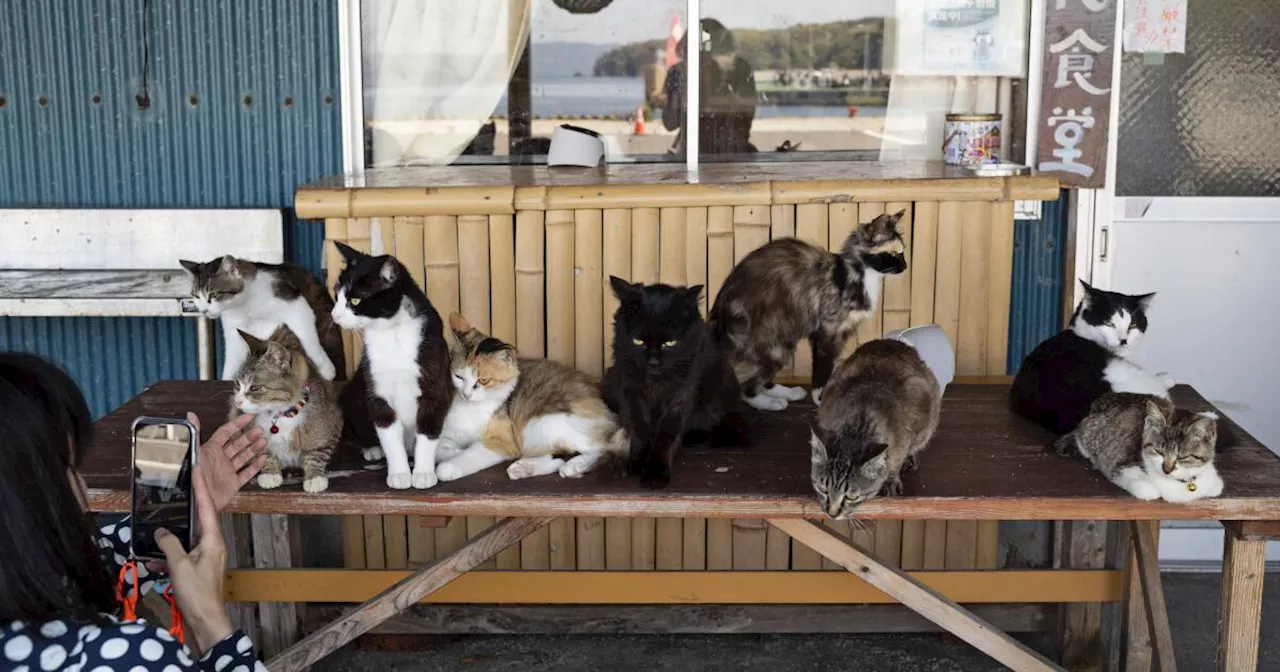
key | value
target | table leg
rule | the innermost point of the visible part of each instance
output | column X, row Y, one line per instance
column 1240, row 608
column 404, row 594
column 918, row 597
column 1145, row 545
column 1137, row 639
column 237, row 533
column 272, row 550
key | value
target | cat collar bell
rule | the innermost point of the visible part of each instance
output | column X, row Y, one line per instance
column 294, row 410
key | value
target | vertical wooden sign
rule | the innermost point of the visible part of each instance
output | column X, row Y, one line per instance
column 1075, row 102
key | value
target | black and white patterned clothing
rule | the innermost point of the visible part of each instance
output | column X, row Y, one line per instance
column 115, row 645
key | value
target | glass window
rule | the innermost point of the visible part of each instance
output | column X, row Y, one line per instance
column 486, row 81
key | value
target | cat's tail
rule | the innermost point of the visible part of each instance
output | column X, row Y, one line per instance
column 616, row 456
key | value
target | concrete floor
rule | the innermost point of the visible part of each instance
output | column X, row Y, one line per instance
column 1192, row 601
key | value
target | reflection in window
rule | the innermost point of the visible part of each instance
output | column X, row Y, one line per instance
column 489, row 80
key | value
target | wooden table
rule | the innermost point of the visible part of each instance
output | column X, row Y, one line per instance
column 984, row 464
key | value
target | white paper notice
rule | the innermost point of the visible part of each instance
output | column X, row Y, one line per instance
column 1155, row 26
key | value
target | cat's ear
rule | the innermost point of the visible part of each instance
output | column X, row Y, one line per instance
column 507, row 356
column 1153, row 423
column 622, row 289
column 459, row 325
column 1144, row 301
column 256, row 345
column 301, row 367
column 817, row 447
column 278, row 356
column 693, row 293
column 897, row 217
column 193, row 267
column 349, row 254
column 1086, row 299
column 229, row 266
column 877, row 467
column 390, row 271
column 1204, row 428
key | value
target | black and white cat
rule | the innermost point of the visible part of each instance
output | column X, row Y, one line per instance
column 405, row 365
column 1065, row 374
column 259, row 299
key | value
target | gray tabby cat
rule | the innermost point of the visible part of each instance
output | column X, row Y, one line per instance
column 296, row 408
column 1143, row 444
column 788, row 290
column 259, row 298
column 880, row 410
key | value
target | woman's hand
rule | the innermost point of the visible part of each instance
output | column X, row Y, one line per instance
column 197, row 576
column 231, row 457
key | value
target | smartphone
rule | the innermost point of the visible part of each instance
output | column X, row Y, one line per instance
column 164, row 454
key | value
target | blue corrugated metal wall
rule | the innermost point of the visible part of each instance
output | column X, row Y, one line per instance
column 244, row 108
column 1039, row 259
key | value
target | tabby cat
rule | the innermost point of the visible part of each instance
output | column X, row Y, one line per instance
column 258, row 299
column 295, row 407
column 1066, row 373
column 669, row 383
column 1143, row 444
column 405, row 365
column 790, row 289
column 548, row 415
column 880, row 410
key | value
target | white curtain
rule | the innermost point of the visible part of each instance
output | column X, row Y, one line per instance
column 434, row 70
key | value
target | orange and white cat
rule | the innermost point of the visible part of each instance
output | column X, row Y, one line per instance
column 546, row 416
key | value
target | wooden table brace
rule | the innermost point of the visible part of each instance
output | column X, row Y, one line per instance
column 916, row 596
column 404, row 594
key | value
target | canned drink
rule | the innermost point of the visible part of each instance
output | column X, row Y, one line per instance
column 971, row 139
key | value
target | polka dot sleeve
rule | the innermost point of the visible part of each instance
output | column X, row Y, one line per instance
column 132, row 646
column 114, row 539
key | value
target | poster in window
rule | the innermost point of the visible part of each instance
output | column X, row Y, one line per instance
column 962, row 37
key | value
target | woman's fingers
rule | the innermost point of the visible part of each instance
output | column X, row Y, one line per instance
column 206, row 514
column 171, row 546
column 229, row 431
column 252, row 470
column 193, row 419
column 245, row 447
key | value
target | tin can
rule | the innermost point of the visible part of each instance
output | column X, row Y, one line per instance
column 971, row 139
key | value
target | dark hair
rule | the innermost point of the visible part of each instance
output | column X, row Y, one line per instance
column 55, row 570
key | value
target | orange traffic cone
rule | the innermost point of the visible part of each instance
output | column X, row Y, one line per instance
column 639, row 120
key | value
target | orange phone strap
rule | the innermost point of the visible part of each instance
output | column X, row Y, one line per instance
column 128, row 597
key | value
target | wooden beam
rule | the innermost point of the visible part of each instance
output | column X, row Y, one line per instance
column 406, row 592
column 1266, row 530
column 278, row 619
column 1147, row 548
column 676, row 587
column 919, row 597
column 1082, row 545
column 1240, row 607
column 1137, row 644
column 429, row 619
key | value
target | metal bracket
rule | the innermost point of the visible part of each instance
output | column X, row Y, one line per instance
column 1027, row 209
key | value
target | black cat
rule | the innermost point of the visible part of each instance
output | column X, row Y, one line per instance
column 669, row 384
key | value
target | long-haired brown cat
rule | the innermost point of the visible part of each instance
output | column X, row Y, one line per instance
column 790, row 289
column 294, row 405
column 546, row 416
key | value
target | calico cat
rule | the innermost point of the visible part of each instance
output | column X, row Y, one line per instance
column 1143, row 444
column 295, row 407
column 880, row 410
column 669, row 383
column 788, row 290
column 258, row 299
column 405, row 363
column 1059, row 380
column 548, row 415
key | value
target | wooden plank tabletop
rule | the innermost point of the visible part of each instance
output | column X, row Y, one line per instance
column 984, row 463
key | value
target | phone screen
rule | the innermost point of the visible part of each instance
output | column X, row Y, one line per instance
column 162, row 453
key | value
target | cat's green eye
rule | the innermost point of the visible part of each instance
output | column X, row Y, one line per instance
column 355, row 300
column 669, row 344
column 638, row 341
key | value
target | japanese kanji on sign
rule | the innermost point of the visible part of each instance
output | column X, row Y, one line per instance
column 1075, row 104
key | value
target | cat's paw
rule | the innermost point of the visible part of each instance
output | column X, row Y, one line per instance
column 765, row 402
column 326, row 370
column 372, row 454
column 655, row 476
column 1065, row 445
column 912, row 463
column 786, row 393
column 892, row 487
column 1144, row 490
column 316, row 484
column 269, row 481
column 816, row 393
column 1166, row 379
column 401, row 481
column 425, row 479
column 575, row 468
column 448, row 471
column 529, row 467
